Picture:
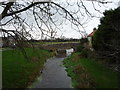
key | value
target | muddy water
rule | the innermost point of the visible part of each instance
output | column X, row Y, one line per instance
column 54, row 75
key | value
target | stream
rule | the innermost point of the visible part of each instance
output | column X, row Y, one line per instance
column 54, row 74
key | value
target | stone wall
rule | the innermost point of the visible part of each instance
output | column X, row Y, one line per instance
column 58, row 46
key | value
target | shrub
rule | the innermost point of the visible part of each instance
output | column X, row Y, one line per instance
column 80, row 48
column 85, row 53
column 83, row 40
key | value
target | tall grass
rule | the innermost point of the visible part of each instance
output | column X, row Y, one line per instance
column 17, row 72
column 55, row 42
column 96, row 74
column 104, row 77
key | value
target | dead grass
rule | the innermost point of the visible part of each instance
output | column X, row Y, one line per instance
column 83, row 78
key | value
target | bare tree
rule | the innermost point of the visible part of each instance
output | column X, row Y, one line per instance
column 46, row 15
column 42, row 18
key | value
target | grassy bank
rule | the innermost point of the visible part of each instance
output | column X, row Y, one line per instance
column 87, row 73
column 17, row 72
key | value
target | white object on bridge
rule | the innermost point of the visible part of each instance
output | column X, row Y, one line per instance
column 69, row 51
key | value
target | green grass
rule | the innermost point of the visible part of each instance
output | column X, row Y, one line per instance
column 103, row 77
column 70, row 66
column 17, row 72
column 55, row 42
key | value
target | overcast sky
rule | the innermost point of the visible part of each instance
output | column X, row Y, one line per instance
column 91, row 23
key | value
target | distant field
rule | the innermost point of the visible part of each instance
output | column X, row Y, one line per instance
column 54, row 42
column 85, row 71
column 17, row 72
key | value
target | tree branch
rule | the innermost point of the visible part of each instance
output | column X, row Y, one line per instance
column 4, row 13
column 26, row 8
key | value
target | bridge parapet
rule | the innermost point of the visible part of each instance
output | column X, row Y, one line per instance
column 63, row 46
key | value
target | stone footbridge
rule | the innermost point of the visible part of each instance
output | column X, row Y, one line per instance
column 57, row 47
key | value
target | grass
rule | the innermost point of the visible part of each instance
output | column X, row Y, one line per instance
column 55, row 42
column 17, row 72
column 0, row 69
column 104, row 77
column 97, row 74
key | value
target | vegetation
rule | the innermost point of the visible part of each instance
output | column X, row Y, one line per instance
column 55, row 42
column 86, row 73
column 17, row 72
column 83, row 40
column 106, row 39
column 46, row 22
column 80, row 48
